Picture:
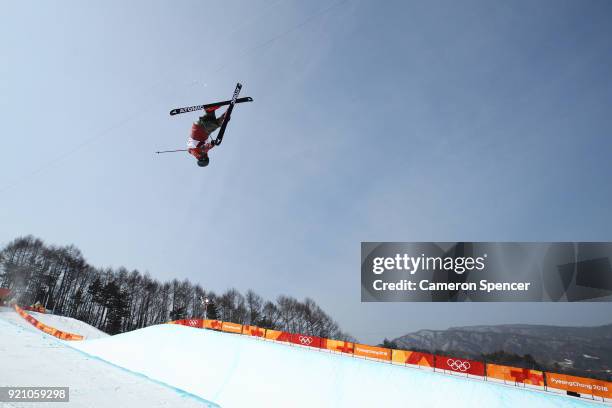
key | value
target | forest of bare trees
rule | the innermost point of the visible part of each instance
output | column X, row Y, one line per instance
column 119, row 300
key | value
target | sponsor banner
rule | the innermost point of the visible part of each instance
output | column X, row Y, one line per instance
column 231, row 327
column 337, row 345
column 304, row 340
column 602, row 389
column 413, row 357
column 277, row 335
column 253, row 331
column 213, row 324
column 459, row 365
column 47, row 329
column 580, row 385
column 486, row 271
column 379, row 353
column 515, row 374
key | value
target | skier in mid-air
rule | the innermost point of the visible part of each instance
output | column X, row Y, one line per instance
column 198, row 145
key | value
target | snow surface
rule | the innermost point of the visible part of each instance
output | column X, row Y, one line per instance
column 172, row 366
column 68, row 324
column 29, row 357
column 63, row 323
column 238, row 371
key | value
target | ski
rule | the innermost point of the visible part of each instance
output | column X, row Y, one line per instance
column 208, row 106
column 228, row 113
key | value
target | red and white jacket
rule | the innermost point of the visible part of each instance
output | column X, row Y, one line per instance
column 196, row 144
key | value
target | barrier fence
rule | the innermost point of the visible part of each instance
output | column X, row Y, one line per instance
column 413, row 358
column 515, row 375
column 253, row 331
column 47, row 329
column 459, row 365
column 338, row 346
column 580, row 385
column 545, row 381
column 377, row 353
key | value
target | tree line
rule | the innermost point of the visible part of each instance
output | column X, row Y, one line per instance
column 119, row 300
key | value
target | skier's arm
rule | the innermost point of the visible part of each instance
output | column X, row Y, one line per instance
column 199, row 149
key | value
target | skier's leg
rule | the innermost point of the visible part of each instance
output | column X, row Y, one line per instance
column 199, row 133
column 211, row 115
column 221, row 119
column 208, row 117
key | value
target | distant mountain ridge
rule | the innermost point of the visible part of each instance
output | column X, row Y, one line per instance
column 572, row 349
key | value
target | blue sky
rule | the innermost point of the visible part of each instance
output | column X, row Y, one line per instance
column 402, row 121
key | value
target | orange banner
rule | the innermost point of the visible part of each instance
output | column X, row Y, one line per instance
column 253, row 331
column 231, row 327
column 337, row 345
column 213, row 324
column 277, row 335
column 515, row 374
column 580, row 385
column 47, row 329
column 379, row 353
column 413, row 357
column 39, row 309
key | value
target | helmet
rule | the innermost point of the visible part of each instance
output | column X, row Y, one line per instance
column 203, row 162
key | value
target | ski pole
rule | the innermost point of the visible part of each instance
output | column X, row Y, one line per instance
column 172, row 151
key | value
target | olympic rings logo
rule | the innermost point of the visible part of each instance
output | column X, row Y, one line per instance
column 307, row 341
column 458, row 365
column 192, row 322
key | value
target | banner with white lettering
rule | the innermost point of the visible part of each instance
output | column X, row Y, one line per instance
column 486, row 271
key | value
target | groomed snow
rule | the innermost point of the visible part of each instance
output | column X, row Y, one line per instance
column 68, row 324
column 238, row 371
column 29, row 357
column 171, row 365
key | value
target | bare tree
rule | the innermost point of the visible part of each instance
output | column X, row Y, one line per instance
column 119, row 300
